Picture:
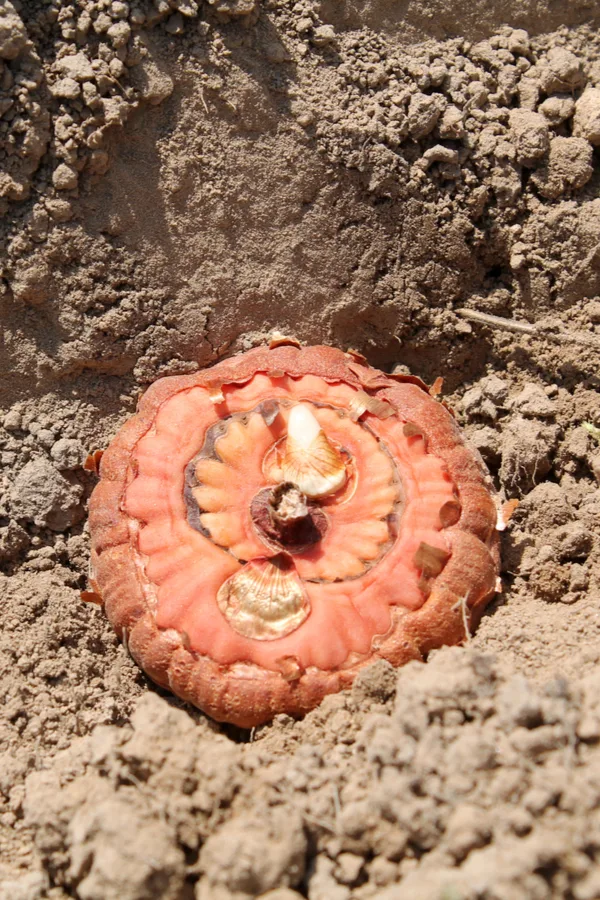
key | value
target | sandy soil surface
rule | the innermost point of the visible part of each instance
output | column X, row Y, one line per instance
column 177, row 179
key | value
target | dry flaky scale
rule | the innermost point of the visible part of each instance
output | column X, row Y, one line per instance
column 265, row 528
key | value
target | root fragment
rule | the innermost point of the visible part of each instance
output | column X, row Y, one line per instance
column 557, row 337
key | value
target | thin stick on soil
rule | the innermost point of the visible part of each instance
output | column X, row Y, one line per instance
column 558, row 337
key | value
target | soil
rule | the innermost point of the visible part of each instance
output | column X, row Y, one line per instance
column 177, row 180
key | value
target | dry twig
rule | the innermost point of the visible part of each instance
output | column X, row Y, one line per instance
column 558, row 337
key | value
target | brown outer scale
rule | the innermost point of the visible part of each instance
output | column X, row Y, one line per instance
column 246, row 694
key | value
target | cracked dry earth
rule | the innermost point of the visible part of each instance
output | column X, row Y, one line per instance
column 177, row 180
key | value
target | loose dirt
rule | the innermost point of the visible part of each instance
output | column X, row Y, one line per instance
column 178, row 179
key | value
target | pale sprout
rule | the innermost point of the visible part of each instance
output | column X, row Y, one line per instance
column 310, row 461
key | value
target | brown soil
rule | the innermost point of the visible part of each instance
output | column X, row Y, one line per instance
column 177, row 180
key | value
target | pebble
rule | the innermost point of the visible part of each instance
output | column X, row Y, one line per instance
column 532, row 403
column 424, row 110
column 537, row 800
column 12, row 420
column 496, row 389
column 519, row 704
column 546, row 506
column 65, row 89
column 487, row 442
column 573, row 541
column 348, row 866
column 60, row 210
column 13, row 36
column 518, row 42
column 550, row 581
column 586, row 121
column 323, row 35
column 474, row 403
column 234, row 860
column 569, row 167
column 468, row 827
column 45, row 437
column 377, row 682
column 13, row 539
column 154, row 84
column 451, row 125
column 40, row 494
column 557, row 109
column 64, row 178
column 440, row 154
column 119, row 33
column 530, row 135
column 576, row 444
column 562, row 71
column 106, row 866
column 382, row 871
column 76, row 66
column 580, row 578
column 68, row 453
